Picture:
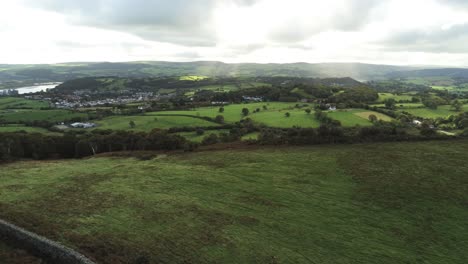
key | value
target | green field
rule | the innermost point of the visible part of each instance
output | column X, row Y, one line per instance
column 194, row 137
column 441, row 111
column 353, row 117
column 149, row 122
column 375, row 203
column 193, row 78
column 19, row 116
column 402, row 106
column 233, row 113
column 297, row 118
column 402, row 97
column 19, row 128
column 20, row 103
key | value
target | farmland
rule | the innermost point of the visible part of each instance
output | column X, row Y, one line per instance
column 19, row 116
column 353, row 117
column 20, row 128
column 148, row 123
column 400, row 97
column 20, row 103
column 233, row 112
column 340, row 204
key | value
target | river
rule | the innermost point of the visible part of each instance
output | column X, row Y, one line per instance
column 36, row 88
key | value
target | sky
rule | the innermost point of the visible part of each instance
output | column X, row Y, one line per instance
column 399, row 32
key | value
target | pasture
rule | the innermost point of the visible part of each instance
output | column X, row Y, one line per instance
column 192, row 78
column 396, row 97
column 354, row 117
column 323, row 204
column 195, row 137
column 232, row 113
column 297, row 118
column 21, row 116
column 21, row 128
column 20, row 103
column 149, row 122
column 441, row 111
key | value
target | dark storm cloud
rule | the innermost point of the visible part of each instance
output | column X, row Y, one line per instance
column 186, row 22
column 451, row 40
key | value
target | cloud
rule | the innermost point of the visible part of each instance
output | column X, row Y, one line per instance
column 334, row 15
column 176, row 21
column 450, row 40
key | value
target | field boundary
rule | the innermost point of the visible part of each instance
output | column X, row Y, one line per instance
column 51, row 251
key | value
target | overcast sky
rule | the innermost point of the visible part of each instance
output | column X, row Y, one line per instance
column 404, row 32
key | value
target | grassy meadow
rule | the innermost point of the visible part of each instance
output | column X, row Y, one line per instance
column 401, row 97
column 441, row 111
column 20, row 103
column 353, row 117
column 20, row 128
column 232, row 113
column 149, row 122
column 194, row 137
column 19, row 116
column 322, row 204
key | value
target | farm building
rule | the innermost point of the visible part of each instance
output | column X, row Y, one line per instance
column 83, row 125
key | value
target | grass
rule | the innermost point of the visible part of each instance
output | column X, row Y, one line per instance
column 148, row 123
column 402, row 97
column 386, row 203
column 20, row 103
column 20, row 128
column 298, row 118
column 193, row 78
column 193, row 136
column 403, row 105
column 441, row 111
column 233, row 113
column 251, row 136
column 19, row 116
column 354, row 117
column 378, row 115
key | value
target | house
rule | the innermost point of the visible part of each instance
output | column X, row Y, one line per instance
column 417, row 122
column 252, row 98
column 82, row 125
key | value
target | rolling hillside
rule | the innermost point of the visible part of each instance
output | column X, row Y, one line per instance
column 67, row 71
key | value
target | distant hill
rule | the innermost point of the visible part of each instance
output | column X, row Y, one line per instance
column 459, row 73
column 68, row 71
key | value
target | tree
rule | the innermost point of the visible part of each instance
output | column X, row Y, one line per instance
column 427, row 130
column 210, row 139
column 457, row 105
column 308, row 111
column 200, row 131
column 463, row 123
column 287, row 114
column 390, row 103
column 245, row 111
column 373, row 118
column 219, row 119
column 132, row 124
column 221, row 109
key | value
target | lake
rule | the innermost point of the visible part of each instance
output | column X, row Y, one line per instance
column 37, row 88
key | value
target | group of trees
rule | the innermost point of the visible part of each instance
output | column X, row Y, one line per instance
column 331, row 134
column 323, row 118
column 71, row 145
